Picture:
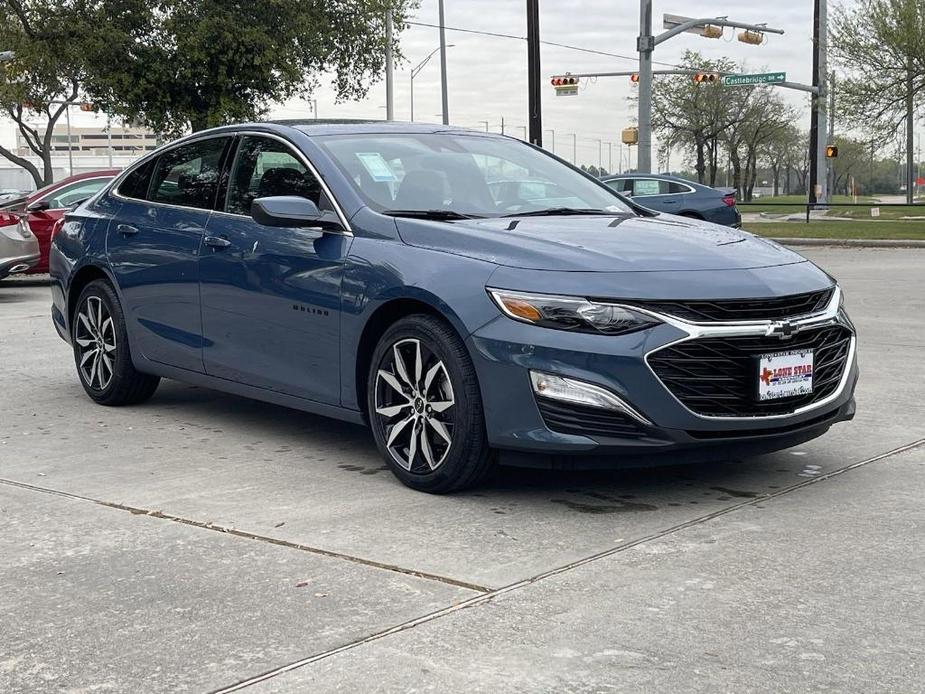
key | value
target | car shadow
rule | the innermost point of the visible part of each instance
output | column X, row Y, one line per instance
column 599, row 491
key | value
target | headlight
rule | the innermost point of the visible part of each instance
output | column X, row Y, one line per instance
column 571, row 313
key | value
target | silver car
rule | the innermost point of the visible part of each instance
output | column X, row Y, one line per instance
column 19, row 249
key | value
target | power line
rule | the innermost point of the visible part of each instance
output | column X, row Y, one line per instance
column 547, row 43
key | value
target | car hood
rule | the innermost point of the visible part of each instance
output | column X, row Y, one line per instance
column 619, row 243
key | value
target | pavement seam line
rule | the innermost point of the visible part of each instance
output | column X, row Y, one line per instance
column 491, row 594
column 251, row 536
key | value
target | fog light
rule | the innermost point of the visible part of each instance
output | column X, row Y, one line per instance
column 580, row 393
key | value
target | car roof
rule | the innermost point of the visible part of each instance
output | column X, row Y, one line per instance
column 320, row 127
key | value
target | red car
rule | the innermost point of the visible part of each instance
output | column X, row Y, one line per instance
column 47, row 205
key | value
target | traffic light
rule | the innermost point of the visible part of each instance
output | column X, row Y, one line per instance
column 634, row 77
column 630, row 136
column 705, row 77
column 831, row 151
column 564, row 81
column 756, row 38
column 711, row 31
column 87, row 106
column 565, row 85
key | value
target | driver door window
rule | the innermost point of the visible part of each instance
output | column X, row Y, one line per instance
column 266, row 168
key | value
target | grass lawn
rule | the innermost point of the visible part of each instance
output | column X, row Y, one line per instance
column 886, row 212
column 840, row 230
column 799, row 204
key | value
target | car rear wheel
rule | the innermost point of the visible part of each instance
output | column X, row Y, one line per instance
column 425, row 407
column 101, row 350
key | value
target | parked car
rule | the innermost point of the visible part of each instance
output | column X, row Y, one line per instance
column 367, row 272
column 19, row 249
column 45, row 206
column 678, row 196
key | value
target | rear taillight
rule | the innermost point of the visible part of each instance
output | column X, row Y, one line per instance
column 729, row 200
column 8, row 219
column 55, row 228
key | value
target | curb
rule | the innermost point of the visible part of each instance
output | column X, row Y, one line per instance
column 851, row 243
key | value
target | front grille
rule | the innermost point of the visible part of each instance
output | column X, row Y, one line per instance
column 716, row 376
column 567, row 418
column 712, row 311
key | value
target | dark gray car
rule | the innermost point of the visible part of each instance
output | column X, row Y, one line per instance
column 679, row 196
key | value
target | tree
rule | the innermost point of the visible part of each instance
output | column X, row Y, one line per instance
column 780, row 152
column 763, row 117
column 43, row 77
column 881, row 46
column 201, row 63
column 693, row 115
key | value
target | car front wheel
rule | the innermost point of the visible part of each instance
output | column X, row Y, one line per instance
column 425, row 407
column 101, row 349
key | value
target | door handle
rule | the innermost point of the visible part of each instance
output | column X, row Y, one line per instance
column 127, row 229
column 216, row 242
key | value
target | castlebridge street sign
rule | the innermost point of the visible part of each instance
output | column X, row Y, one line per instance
column 748, row 80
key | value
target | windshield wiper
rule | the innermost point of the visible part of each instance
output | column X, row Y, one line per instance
column 556, row 211
column 439, row 215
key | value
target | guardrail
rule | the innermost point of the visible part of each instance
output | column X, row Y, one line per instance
column 809, row 206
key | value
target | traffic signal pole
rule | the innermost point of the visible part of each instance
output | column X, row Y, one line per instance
column 645, row 45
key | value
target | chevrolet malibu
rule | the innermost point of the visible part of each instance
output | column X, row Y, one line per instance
column 381, row 274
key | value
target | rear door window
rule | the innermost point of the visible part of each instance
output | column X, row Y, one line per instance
column 75, row 192
column 649, row 186
column 188, row 176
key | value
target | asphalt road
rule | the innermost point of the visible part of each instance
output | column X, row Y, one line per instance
column 202, row 542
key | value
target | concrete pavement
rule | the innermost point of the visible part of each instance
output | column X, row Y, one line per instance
column 204, row 540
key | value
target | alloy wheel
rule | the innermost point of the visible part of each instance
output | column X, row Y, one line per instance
column 415, row 401
column 95, row 337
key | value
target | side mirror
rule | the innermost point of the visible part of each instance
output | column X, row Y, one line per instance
column 38, row 206
column 292, row 211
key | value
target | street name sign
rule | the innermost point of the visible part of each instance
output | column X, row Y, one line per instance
column 759, row 78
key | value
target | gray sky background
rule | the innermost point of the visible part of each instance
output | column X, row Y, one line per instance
column 487, row 76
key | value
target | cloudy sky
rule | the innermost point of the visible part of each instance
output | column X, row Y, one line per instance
column 487, row 75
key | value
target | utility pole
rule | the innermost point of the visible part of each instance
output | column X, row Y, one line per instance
column 502, row 125
column 600, row 155
column 575, row 149
column 534, row 96
column 817, row 123
column 910, row 123
column 446, row 101
column 610, row 157
column 552, row 132
column 389, row 69
column 830, row 163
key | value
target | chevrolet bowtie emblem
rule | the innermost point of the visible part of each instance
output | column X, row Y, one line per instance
column 781, row 329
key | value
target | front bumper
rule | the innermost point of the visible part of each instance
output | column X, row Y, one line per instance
column 504, row 351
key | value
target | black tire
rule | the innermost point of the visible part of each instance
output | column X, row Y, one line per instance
column 691, row 215
column 125, row 386
column 467, row 458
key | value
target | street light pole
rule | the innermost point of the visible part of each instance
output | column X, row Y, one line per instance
column 389, row 69
column 70, row 152
column 446, row 106
column 417, row 69
column 553, row 139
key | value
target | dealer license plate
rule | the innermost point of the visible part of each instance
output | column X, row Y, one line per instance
column 785, row 374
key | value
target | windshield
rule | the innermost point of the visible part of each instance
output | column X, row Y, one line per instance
column 468, row 175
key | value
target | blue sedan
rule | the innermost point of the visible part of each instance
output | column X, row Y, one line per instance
column 470, row 297
column 677, row 196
